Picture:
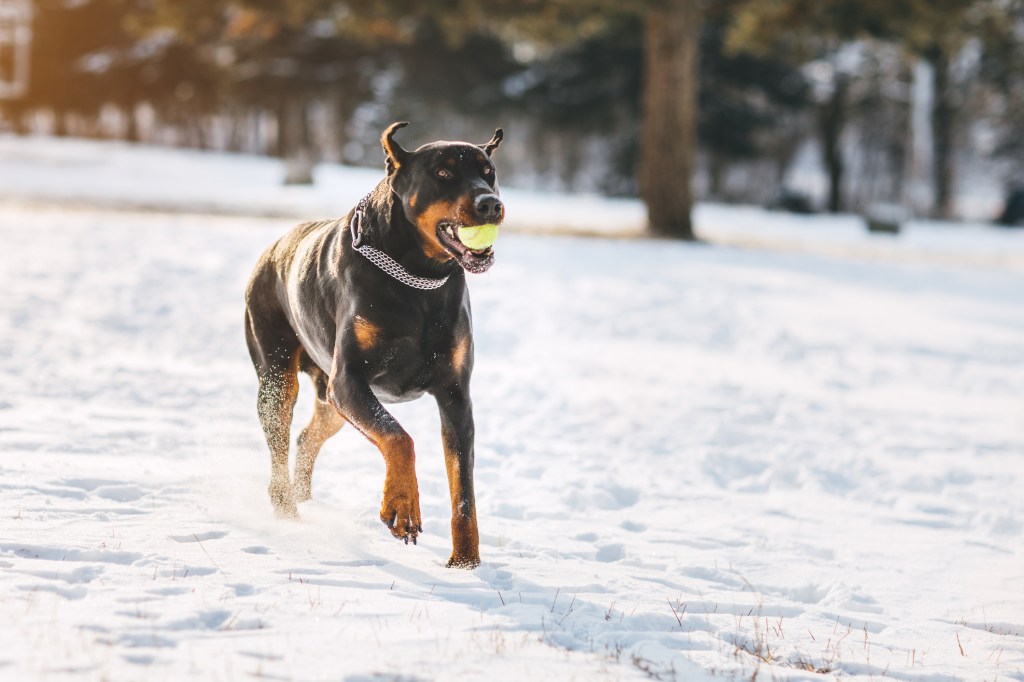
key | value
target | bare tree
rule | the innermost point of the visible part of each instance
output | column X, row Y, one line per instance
column 668, row 140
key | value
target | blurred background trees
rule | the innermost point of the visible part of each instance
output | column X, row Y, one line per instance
column 809, row 105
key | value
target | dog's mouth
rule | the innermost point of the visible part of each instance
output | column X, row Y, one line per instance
column 475, row 261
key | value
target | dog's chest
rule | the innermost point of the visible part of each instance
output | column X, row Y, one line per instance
column 407, row 361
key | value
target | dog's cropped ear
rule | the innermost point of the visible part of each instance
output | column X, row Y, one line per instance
column 396, row 156
column 499, row 135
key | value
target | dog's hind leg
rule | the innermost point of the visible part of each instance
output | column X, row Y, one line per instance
column 325, row 423
column 275, row 404
column 275, row 352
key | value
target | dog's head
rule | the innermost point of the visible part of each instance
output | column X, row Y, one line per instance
column 443, row 186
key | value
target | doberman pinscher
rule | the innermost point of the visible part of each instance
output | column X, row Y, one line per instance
column 374, row 307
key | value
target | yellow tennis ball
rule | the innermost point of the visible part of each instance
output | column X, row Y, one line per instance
column 478, row 237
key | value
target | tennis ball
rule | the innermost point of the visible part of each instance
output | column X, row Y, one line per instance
column 478, row 237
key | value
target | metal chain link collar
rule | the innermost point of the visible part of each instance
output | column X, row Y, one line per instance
column 382, row 260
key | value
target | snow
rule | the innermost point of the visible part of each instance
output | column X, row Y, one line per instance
column 798, row 450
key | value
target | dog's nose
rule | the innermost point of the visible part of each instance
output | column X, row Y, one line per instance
column 489, row 207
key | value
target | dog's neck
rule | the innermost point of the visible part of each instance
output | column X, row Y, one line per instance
column 385, row 227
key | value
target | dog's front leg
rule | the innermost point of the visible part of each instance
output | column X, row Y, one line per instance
column 457, row 433
column 351, row 395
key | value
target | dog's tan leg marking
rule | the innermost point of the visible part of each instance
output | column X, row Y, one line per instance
column 465, row 536
column 275, row 404
column 366, row 333
column 355, row 400
column 457, row 436
column 400, row 508
column 325, row 423
column 460, row 353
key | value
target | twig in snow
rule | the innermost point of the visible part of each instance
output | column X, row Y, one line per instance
column 570, row 609
column 677, row 614
column 200, row 543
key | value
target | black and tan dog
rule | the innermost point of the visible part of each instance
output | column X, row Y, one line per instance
column 374, row 308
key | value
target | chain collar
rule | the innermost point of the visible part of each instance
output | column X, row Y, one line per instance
column 383, row 260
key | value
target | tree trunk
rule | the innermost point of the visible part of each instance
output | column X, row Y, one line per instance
column 131, row 123
column 298, row 152
column 60, row 123
column 716, row 175
column 14, row 113
column 917, row 185
column 342, row 113
column 198, row 131
column 942, row 140
column 831, row 122
column 281, row 147
column 235, row 122
column 669, row 138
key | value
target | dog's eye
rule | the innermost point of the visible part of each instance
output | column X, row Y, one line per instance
column 487, row 170
column 442, row 173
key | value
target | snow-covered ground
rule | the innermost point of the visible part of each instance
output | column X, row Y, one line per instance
column 693, row 462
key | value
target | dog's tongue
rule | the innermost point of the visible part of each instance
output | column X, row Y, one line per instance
column 478, row 237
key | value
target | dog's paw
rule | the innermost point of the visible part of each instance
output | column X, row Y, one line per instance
column 283, row 498
column 401, row 514
column 467, row 562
